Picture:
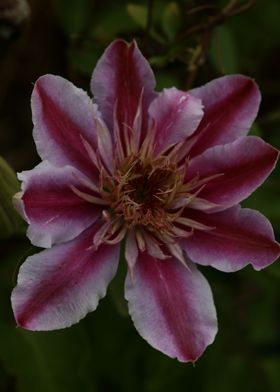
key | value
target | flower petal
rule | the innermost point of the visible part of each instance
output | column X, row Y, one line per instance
column 63, row 116
column 54, row 212
column 176, row 114
column 230, row 106
column 243, row 165
column 240, row 237
column 121, row 75
column 172, row 307
column 59, row 286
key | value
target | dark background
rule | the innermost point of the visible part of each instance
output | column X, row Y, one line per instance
column 188, row 43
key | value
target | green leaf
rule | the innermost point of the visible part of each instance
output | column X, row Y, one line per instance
column 110, row 25
column 159, row 61
column 271, row 368
column 138, row 13
column 84, row 59
column 73, row 15
column 58, row 361
column 266, row 199
column 10, row 221
column 223, row 51
column 116, row 288
column 171, row 20
column 167, row 80
column 255, row 130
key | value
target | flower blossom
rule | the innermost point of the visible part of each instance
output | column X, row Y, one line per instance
column 162, row 172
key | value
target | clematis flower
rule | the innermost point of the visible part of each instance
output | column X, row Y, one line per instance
column 162, row 172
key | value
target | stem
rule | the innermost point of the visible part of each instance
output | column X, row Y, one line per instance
column 198, row 58
column 206, row 30
column 150, row 12
column 229, row 10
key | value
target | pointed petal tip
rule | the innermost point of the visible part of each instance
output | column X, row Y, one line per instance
column 22, row 324
column 19, row 205
column 63, row 111
column 122, row 64
column 174, row 314
column 231, row 104
column 54, row 213
column 64, row 286
column 242, row 237
column 245, row 164
column 275, row 247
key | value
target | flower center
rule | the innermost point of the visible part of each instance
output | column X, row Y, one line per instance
column 141, row 190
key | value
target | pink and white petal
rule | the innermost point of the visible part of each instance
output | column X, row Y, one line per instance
column 244, row 165
column 54, row 212
column 176, row 114
column 172, row 307
column 240, row 237
column 230, row 105
column 121, row 75
column 59, row 286
column 63, row 117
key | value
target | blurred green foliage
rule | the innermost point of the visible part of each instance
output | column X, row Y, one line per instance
column 104, row 353
column 10, row 221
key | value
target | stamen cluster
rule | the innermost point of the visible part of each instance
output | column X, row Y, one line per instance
column 141, row 191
